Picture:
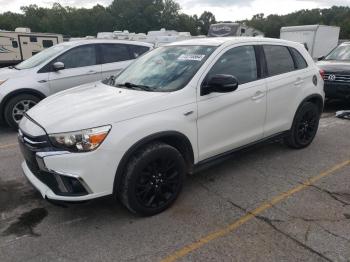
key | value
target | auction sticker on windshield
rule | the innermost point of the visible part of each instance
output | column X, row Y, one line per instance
column 186, row 57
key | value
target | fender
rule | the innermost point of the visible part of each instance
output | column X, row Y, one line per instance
column 18, row 92
column 313, row 98
column 176, row 137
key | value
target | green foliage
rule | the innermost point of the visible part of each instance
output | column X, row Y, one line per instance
column 336, row 16
column 136, row 16
column 145, row 15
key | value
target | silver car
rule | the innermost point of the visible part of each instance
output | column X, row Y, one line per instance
column 61, row 67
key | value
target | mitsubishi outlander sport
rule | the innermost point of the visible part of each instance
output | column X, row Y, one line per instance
column 171, row 111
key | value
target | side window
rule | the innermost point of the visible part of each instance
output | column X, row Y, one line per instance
column 33, row 39
column 14, row 44
column 279, row 60
column 114, row 53
column 137, row 50
column 239, row 62
column 299, row 60
column 79, row 57
column 47, row 43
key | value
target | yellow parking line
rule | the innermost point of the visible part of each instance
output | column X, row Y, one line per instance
column 8, row 146
column 249, row 216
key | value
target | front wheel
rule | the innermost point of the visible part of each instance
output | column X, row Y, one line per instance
column 16, row 108
column 304, row 127
column 153, row 180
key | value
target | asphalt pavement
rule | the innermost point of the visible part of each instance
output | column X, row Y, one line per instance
column 268, row 203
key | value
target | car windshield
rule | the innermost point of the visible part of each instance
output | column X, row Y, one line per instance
column 165, row 69
column 41, row 57
column 342, row 52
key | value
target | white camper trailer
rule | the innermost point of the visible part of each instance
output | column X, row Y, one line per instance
column 157, row 38
column 19, row 45
column 319, row 40
column 232, row 29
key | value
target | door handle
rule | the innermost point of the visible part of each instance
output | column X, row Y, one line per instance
column 299, row 82
column 258, row 95
column 91, row 72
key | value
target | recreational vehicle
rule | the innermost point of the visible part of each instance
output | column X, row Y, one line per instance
column 21, row 44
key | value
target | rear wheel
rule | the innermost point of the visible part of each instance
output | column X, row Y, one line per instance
column 16, row 108
column 153, row 179
column 304, row 127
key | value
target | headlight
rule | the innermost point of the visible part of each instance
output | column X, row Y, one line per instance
column 81, row 141
column 2, row 81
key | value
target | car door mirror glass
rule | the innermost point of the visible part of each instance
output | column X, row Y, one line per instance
column 58, row 66
column 219, row 84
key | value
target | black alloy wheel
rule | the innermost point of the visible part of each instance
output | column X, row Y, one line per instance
column 158, row 183
column 307, row 126
column 153, row 179
column 304, row 127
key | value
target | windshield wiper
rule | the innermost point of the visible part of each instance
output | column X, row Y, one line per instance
column 135, row 86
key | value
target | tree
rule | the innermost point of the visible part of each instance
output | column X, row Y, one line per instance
column 170, row 15
column 205, row 20
column 145, row 15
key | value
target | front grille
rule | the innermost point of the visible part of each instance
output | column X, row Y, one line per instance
column 337, row 77
column 29, row 146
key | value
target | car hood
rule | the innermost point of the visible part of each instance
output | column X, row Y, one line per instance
column 334, row 66
column 6, row 73
column 92, row 105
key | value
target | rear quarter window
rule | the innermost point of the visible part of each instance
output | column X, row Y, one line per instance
column 279, row 60
column 299, row 60
column 138, row 50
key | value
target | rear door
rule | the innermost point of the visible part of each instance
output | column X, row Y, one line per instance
column 114, row 58
column 81, row 67
column 286, row 77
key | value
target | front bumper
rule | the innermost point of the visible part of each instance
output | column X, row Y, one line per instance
column 337, row 90
column 41, row 165
column 48, row 189
column 47, row 192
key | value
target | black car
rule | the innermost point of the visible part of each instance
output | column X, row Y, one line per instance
column 336, row 67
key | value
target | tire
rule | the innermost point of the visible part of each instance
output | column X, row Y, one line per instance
column 17, row 106
column 305, row 126
column 153, row 179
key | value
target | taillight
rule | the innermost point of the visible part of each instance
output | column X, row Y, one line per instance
column 322, row 73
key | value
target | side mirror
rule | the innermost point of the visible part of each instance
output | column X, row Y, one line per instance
column 58, row 66
column 219, row 84
column 321, row 58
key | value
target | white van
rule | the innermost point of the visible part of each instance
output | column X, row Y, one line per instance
column 61, row 67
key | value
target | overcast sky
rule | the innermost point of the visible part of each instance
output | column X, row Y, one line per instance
column 223, row 9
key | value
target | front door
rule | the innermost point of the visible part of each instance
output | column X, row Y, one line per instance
column 81, row 67
column 229, row 120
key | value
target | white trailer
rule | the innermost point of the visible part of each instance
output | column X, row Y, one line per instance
column 19, row 45
column 233, row 29
column 318, row 39
column 157, row 38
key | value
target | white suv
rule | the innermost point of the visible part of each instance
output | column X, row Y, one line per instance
column 61, row 67
column 174, row 109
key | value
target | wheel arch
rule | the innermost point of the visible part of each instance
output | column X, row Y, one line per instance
column 172, row 138
column 315, row 99
column 21, row 91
